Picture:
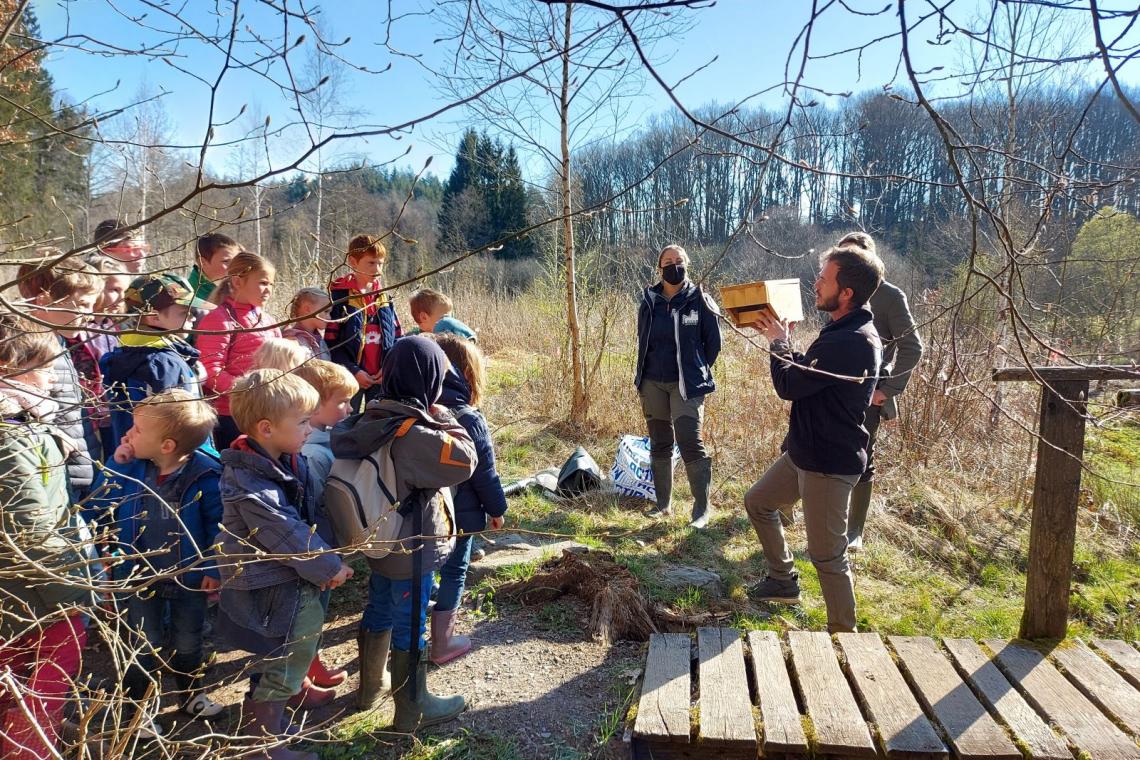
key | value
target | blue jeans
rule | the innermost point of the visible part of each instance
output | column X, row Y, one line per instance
column 453, row 575
column 390, row 607
column 186, row 612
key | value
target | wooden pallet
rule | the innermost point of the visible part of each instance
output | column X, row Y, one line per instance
column 857, row 695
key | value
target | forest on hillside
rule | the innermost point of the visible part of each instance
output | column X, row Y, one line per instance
column 1045, row 168
column 994, row 162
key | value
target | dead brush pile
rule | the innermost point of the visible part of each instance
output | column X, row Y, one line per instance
column 618, row 609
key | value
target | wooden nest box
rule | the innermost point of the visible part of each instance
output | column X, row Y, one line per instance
column 745, row 302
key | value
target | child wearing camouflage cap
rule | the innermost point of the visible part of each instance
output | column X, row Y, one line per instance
column 153, row 354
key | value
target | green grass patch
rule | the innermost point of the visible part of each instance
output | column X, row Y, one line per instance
column 1113, row 459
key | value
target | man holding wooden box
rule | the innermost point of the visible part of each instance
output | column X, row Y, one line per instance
column 825, row 451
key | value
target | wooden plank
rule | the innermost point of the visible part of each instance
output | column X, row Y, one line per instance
column 1062, row 374
column 973, row 734
column 663, row 711
column 839, row 726
column 1005, row 701
column 783, row 729
column 1123, row 657
column 1103, row 686
column 726, row 708
column 1056, row 488
column 903, row 730
column 1058, row 700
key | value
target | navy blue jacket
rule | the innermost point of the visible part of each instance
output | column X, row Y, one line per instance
column 131, row 373
column 697, row 333
column 480, row 496
column 825, row 432
column 193, row 488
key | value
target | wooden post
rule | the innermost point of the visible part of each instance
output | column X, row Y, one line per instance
column 1056, row 490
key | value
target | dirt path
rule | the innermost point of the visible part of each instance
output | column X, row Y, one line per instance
column 534, row 682
column 536, row 686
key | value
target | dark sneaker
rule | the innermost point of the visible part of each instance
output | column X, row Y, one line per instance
column 657, row 512
column 773, row 590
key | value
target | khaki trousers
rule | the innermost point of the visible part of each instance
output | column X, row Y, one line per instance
column 825, row 499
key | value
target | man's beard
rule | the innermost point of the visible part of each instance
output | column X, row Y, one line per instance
column 827, row 305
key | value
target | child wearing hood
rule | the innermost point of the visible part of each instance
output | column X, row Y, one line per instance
column 430, row 452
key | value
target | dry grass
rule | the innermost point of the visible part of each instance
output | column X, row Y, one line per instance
column 949, row 527
column 950, row 523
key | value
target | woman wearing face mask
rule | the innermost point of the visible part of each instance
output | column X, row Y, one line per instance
column 678, row 340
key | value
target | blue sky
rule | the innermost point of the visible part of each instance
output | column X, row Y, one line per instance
column 749, row 38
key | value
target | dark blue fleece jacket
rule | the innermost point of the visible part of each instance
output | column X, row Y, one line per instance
column 696, row 336
column 145, row 520
column 480, row 496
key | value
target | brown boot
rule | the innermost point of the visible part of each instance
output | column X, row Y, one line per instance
column 266, row 728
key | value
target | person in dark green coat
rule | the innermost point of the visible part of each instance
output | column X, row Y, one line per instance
column 902, row 350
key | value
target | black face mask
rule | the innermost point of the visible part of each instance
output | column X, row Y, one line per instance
column 674, row 274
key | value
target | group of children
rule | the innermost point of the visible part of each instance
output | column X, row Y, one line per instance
column 196, row 436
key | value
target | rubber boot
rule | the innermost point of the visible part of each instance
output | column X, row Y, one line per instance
column 266, row 728
column 663, row 485
column 247, row 726
column 700, row 481
column 857, row 514
column 445, row 644
column 373, row 647
column 320, row 674
column 426, row 709
column 311, row 696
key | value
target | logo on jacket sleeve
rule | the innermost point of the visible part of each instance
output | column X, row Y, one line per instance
column 690, row 319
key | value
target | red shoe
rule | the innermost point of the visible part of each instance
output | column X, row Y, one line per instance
column 311, row 696
column 325, row 678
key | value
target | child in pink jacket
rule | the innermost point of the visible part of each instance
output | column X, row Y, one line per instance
column 229, row 335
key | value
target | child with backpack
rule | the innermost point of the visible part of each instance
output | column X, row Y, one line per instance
column 275, row 565
column 167, row 521
column 230, row 335
column 479, row 501
column 41, row 627
column 419, row 450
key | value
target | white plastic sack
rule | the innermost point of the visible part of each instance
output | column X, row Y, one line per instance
column 632, row 474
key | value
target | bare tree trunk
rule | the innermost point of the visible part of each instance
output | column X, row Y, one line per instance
column 257, row 191
column 1006, row 203
column 579, row 407
column 320, row 208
